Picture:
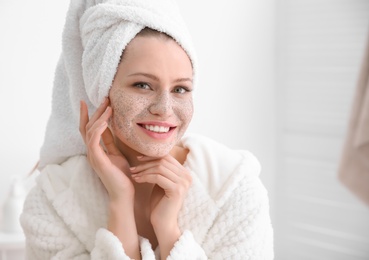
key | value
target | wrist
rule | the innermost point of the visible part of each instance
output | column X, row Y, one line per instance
column 123, row 200
column 122, row 224
column 121, row 216
column 167, row 230
column 121, row 212
column 167, row 236
column 168, row 233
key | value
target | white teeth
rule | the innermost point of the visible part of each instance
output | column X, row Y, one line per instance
column 157, row 129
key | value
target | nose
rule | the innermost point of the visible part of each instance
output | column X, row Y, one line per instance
column 161, row 105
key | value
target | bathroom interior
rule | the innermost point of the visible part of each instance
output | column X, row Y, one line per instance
column 276, row 77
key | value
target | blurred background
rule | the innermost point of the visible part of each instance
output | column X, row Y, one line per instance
column 276, row 77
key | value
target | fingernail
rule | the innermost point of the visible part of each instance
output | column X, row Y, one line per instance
column 107, row 109
column 140, row 157
column 132, row 168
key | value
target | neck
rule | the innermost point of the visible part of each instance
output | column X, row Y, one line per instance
column 130, row 154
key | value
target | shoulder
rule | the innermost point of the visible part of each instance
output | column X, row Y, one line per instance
column 55, row 179
column 219, row 167
column 207, row 152
column 72, row 186
column 65, row 209
column 73, row 195
column 227, row 196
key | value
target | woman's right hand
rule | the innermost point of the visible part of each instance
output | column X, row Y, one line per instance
column 110, row 164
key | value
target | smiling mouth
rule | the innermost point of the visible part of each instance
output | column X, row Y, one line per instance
column 157, row 128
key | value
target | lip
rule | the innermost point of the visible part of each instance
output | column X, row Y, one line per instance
column 154, row 135
column 158, row 123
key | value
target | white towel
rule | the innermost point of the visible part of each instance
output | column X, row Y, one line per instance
column 95, row 34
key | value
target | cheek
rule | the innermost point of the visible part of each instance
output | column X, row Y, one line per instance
column 122, row 108
column 126, row 107
column 185, row 111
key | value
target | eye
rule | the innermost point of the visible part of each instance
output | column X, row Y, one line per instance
column 181, row 90
column 141, row 85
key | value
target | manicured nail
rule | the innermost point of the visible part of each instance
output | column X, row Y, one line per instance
column 107, row 109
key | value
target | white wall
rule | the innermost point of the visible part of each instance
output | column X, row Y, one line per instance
column 234, row 99
column 29, row 49
column 320, row 50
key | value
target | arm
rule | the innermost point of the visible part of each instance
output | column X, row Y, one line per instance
column 172, row 182
column 111, row 167
column 123, row 225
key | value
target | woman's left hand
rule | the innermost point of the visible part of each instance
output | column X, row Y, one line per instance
column 172, row 183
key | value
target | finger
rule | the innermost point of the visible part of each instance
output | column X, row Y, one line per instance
column 91, row 126
column 109, row 143
column 99, row 111
column 159, row 170
column 96, row 153
column 151, row 162
column 94, row 135
column 160, row 180
column 83, row 119
column 145, row 158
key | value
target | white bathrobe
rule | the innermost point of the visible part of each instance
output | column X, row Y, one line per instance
column 224, row 216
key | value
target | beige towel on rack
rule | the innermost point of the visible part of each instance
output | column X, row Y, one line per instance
column 354, row 166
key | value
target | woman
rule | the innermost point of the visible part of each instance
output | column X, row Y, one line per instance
column 140, row 190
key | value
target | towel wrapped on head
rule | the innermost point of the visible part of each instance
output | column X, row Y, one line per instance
column 94, row 37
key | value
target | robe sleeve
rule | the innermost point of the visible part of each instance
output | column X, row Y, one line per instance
column 186, row 248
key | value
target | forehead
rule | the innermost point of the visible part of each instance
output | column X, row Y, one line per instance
column 156, row 54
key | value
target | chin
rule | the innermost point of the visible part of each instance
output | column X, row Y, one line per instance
column 156, row 151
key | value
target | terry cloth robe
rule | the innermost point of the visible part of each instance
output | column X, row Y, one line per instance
column 224, row 216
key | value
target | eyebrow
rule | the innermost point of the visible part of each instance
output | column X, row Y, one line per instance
column 156, row 78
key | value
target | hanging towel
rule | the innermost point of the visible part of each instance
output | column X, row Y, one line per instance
column 94, row 36
column 354, row 166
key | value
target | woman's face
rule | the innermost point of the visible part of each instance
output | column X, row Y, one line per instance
column 151, row 96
